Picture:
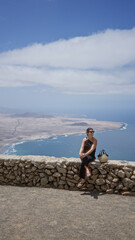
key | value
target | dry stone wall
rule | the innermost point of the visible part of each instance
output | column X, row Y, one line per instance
column 42, row 171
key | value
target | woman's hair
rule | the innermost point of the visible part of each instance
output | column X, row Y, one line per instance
column 88, row 129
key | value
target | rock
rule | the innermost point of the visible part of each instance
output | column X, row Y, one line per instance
column 55, row 184
column 104, row 188
column 16, row 167
column 113, row 185
column 120, row 186
column 98, row 188
column 112, row 174
column 30, row 184
column 116, row 171
column 75, row 170
column 28, row 166
column 44, row 181
column 49, row 166
column 48, row 172
column 94, row 177
column 41, row 175
column 18, row 178
column 33, row 169
column 102, row 171
column 100, row 181
column 60, row 186
column 6, row 163
column 102, row 176
column 128, row 174
column 69, row 168
column 61, row 182
column 70, row 184
column 70, row 172
column 1, row 178
column 63, row 178
column 121, row 174
column 116, row 192
column 71, row 180
column 34, row 182
column 26, row 180
column 109, row 191
column 66, row 187
column 76, row 177
column 95, row 172
column 57, row 175
column 70, row 176
column 41, row 166
column 127, row 169
column 115, row 180
column 134, row 172
column 133, row 177
column 12, row 177
column 61, row 170
column 109, row 177
column 90, row 186
column 127, row 193
column 51, row 179
column 128, row 183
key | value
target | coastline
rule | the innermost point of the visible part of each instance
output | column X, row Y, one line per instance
column 4, row 149
column 20, row 129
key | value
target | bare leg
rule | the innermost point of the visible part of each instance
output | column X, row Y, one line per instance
column 88, row 173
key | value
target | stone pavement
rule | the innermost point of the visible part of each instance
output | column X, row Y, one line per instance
column 52, row 214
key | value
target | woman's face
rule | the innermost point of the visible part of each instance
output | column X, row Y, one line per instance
column 91, row 132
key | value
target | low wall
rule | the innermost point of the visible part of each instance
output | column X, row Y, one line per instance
column 62, row 173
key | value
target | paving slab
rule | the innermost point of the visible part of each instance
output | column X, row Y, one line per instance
column 30, row 213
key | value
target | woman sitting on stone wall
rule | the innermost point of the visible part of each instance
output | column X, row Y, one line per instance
column 87, row 155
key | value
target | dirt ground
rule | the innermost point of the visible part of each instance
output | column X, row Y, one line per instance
column 51, row 214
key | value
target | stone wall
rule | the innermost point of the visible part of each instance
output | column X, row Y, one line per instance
column 62, row 173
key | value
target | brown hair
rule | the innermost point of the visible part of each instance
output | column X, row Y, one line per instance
column 88, row 129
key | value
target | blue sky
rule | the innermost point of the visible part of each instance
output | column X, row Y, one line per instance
column 74, row 56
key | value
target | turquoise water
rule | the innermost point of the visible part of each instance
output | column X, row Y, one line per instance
column 119, row 144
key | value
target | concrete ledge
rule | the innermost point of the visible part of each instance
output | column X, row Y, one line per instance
column 43, row 171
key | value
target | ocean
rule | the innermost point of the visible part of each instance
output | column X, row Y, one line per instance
column 119, row 144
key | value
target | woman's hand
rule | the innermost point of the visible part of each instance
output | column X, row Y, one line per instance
column 82, row 155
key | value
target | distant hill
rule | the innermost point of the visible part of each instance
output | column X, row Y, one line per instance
column 14, row 113
column 31, row 114
column 80, row 124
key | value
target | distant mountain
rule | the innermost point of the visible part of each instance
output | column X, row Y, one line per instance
column 20, row 113
column 80, row 124
column 31, row 114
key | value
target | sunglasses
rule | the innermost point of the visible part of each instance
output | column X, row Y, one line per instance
column 91, row 131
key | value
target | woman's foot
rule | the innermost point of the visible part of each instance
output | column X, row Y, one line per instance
column 80, row 184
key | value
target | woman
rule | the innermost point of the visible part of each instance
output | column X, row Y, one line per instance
column 87, row 154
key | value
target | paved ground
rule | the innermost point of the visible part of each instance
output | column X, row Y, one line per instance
column 50, row 214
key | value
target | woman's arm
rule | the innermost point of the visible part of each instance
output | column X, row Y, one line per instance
column 93, row 147
column 82, row 149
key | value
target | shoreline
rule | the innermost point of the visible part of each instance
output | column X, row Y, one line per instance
column 39, row 138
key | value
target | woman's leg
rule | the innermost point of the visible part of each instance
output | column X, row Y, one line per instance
column 84, row 170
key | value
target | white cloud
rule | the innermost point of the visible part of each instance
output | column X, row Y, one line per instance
column 100, row 63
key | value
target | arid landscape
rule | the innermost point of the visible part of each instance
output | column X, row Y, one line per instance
column 29, row 126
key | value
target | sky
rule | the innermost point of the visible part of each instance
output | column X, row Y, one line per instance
column 68, row 56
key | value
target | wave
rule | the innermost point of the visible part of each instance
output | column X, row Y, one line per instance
column 124, row 126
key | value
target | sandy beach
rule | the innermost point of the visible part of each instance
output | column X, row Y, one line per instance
column 15, row 129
